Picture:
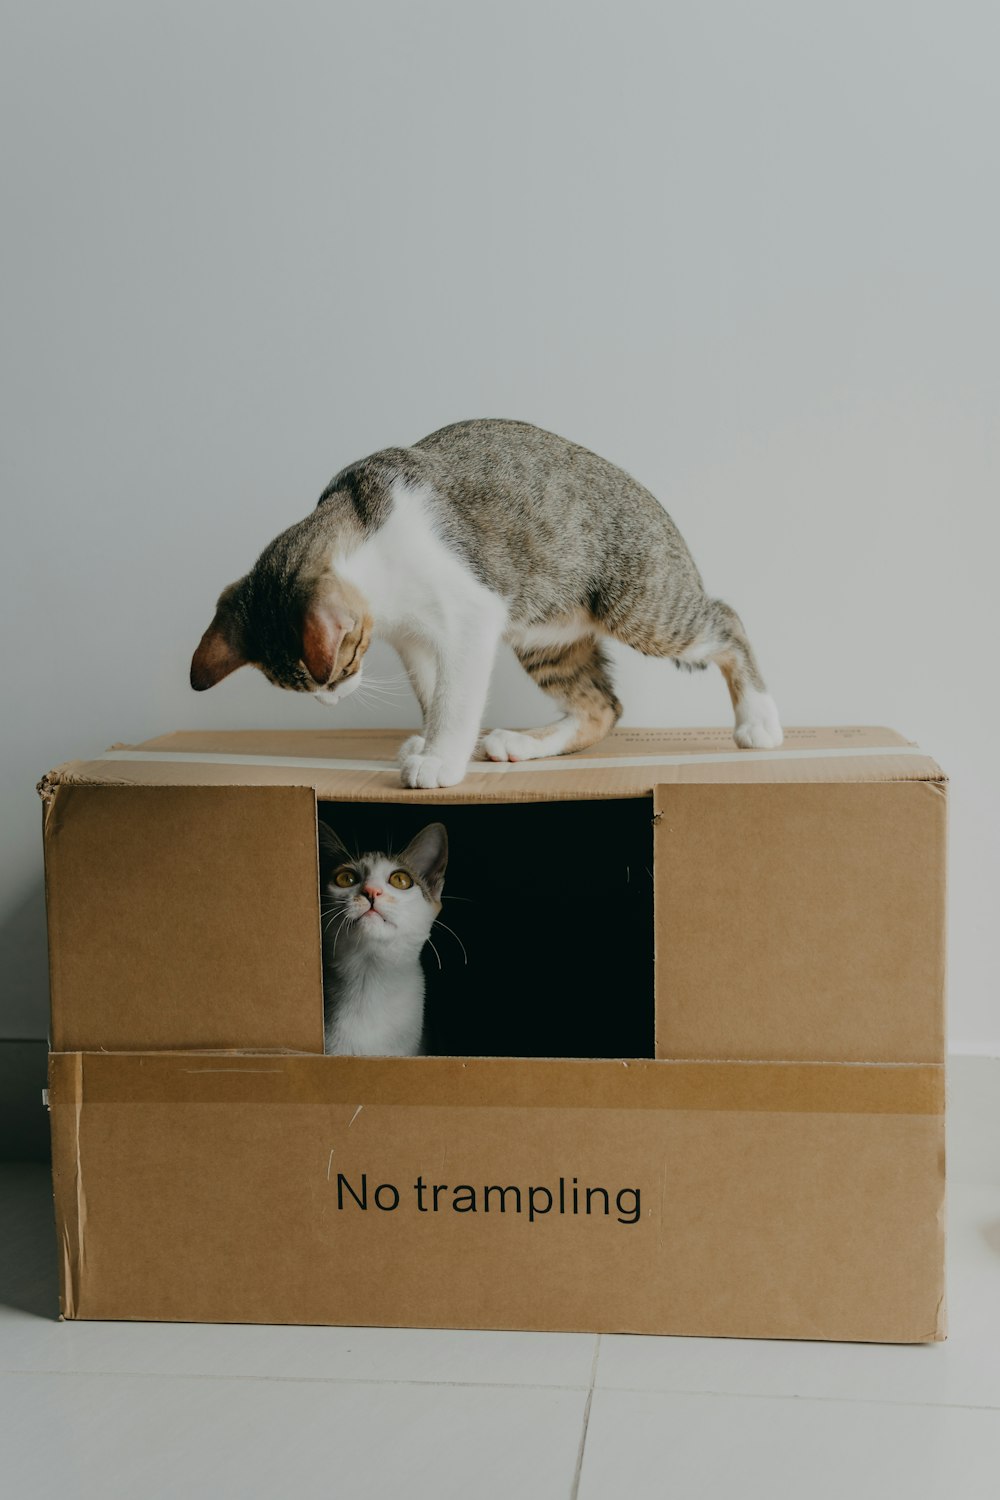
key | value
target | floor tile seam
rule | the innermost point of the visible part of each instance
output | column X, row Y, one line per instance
column 234, row 1379
column 659, row 1390
column 512, row 1385
column 585, row 1423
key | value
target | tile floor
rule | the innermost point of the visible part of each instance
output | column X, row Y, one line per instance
column 124, row 1410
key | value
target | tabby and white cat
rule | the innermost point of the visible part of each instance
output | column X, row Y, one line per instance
column 378, row 911
column 482, row 532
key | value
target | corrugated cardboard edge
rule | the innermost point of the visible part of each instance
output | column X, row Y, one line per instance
column 47, row 790
column 66, row 1095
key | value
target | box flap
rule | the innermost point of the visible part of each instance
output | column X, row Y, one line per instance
column 133, row 877
column 746, row 1200
column 766, row 951
column 359, row 765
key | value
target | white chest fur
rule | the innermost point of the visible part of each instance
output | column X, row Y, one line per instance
column 375, row 1006
column 444, row 623
column 415, row 584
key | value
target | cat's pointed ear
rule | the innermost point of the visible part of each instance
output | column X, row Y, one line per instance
column 323, row 630
column 218, row 654
column 332, row 851
column 427, row 855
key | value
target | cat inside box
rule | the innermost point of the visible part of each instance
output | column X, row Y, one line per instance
column 519, row 930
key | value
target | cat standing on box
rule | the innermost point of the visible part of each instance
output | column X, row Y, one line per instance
column 485, row 531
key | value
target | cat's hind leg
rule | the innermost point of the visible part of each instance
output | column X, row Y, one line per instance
column 706, row 631
column 723, row 640
column 576, row 674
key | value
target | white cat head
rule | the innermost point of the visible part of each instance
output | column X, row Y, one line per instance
column 377, row 902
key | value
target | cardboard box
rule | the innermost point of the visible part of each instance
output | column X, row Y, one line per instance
column 766, row 927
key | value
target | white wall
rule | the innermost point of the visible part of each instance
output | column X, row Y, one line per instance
column 749, row 251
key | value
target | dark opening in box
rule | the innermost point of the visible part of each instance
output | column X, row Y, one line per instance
column 553, row 906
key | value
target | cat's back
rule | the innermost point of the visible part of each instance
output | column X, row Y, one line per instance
column 535, row 516
column 481, row 459
column 538, row 515
column 471, row 467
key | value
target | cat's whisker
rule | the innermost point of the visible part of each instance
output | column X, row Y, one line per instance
column 343, row 704
column 436, row 954
column 377, row 695
column 363, row 699
column 459, row 898
column 332, row 919
column 386, row 681
column 458, row 940
column 337, row 938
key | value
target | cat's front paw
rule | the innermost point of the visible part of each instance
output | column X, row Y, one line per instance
column 758, row 726
column 413, row 746
column 429, row 771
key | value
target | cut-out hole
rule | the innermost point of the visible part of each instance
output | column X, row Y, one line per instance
column 553, row 904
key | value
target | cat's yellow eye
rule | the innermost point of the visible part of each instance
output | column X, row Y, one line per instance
column 345, row 878
column 401, row 880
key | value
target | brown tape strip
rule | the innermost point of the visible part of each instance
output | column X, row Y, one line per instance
column 220, row 1078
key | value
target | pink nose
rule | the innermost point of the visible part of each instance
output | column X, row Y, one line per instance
column 371, row 891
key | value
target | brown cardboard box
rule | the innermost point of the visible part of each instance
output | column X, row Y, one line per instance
column 767, row 926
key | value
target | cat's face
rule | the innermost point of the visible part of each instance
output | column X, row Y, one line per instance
column 376, row 899
column 307, row 638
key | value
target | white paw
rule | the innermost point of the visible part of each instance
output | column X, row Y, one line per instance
column 509, row 744
column 429, row 771
column 758, row 727
column 413, row 746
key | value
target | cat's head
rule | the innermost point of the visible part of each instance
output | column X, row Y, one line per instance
column 379, row 898
column 306, row 632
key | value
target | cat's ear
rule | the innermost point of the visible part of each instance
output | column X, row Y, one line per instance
column 331, row 851
column 219, row 652
column 427, row 856
column 323, row 630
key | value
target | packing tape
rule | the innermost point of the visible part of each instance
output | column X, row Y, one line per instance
column 498, row 1083
column 509, row 768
